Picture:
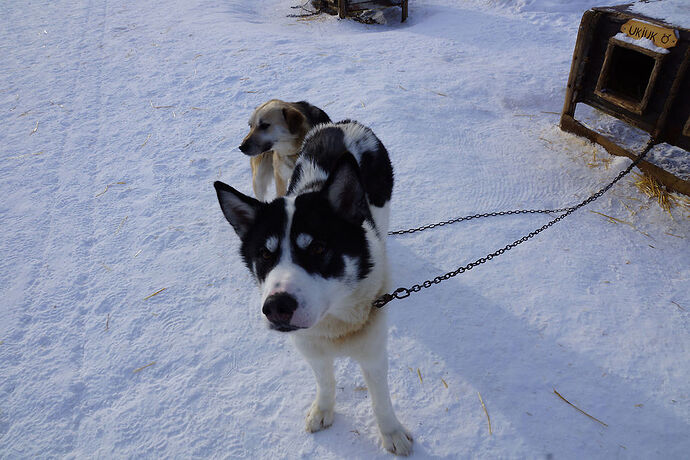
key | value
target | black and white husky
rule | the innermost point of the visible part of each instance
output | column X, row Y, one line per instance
column 319, row 257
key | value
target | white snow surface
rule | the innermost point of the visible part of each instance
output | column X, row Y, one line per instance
column 641, row 42
column 116, row 118
column 676, row 12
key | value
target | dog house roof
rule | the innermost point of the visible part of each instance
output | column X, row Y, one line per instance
column 673, row 13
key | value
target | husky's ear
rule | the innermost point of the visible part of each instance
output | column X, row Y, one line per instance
column 344, row 190
column 239, row 209
column 294, row 119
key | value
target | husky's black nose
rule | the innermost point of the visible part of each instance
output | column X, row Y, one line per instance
column 244, row 147
column 279, row 308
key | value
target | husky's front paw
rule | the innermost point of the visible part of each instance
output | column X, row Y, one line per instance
column 399, row 442
column 318, row 419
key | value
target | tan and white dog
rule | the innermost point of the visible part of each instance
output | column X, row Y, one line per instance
column 276, row 131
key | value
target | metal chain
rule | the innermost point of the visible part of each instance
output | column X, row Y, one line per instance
column 402, row 292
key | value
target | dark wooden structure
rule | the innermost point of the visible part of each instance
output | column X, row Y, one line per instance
column 345, row 8
column 633, row 68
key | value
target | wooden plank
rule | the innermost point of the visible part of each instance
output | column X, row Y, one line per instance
column 671, row 99
column 615, row 112
column 673, row 183
column 374, row 3
column 370, row 5
column 584, row 38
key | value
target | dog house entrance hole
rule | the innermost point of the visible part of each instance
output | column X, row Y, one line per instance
column 629, row 73
column 627, row 76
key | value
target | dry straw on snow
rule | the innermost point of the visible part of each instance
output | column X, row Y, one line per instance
column 653, row 189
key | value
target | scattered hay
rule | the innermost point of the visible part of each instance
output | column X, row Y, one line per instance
column 144, row 367
column 488, row 419
column 419, row 374
column 108, row 186
column 34, row 130
column 444, row 383
column 138, row 252
column 19, row 157
column 155, row 293
column 361, row 388
column 161, row 106
column 439, row 93
column 121, row 224
column 597, row 162
column 146, row 141
column 107, row 322
column 652, row 188
column 614, row 220
column 580, row 410
column 106, row 189
column 677, row 236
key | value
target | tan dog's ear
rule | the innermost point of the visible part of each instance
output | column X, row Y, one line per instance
column 294, row 119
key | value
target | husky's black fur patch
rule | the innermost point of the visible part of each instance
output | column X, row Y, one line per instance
column 333, row 237
column 270, row 221
column 313, row 114
column 326, row 144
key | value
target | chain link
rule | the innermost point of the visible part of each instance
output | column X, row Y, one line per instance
column 402, row 292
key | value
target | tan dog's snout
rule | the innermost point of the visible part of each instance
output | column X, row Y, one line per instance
column 253, row 144
column 246, row 142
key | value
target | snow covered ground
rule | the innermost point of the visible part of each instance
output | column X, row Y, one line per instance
column 116, row 117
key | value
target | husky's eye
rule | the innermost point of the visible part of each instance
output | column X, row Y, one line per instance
column 317, row 248
column 265, row 254
column 264, row 125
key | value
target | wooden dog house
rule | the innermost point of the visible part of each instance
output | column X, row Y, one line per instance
column 633, row 68
column 345, row 8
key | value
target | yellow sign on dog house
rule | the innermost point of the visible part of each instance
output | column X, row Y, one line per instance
column 661, row 36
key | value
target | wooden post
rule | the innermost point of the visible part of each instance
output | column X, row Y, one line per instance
column 577, row 66
column 403, row 6
column 671, row 99
column 342, row 9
